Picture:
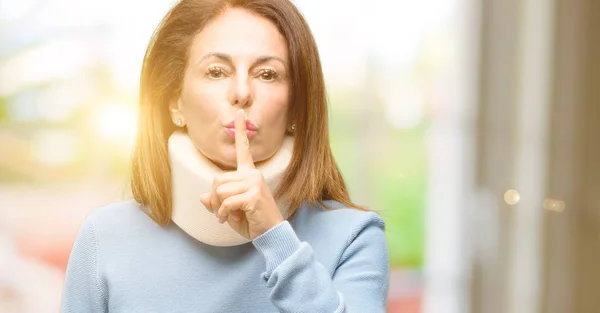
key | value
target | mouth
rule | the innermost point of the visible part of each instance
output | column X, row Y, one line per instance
column 251, row 129
column 231, row 132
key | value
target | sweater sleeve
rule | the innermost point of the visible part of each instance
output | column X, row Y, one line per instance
column 82, row 290
column 299, row 283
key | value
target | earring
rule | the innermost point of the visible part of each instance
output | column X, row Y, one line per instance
column 179, row 122
column 293, row 127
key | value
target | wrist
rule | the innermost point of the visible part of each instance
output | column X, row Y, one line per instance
column 277, row 244
column 268, row 226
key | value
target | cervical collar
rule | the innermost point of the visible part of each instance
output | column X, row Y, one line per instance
column 192, row 174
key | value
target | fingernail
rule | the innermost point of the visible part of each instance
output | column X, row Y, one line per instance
column 241, row 112
column 217, row 213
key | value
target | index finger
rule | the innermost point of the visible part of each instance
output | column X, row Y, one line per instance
column 242, row 145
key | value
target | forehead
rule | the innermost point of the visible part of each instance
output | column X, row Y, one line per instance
column 241, row 34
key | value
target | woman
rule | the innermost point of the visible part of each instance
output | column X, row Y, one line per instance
column 239, row 205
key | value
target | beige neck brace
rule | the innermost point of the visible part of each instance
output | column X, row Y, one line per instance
column 192, row 174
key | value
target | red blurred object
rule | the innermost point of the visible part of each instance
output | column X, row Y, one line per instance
column 54, row 252
column 406, row 291
column 408, row 304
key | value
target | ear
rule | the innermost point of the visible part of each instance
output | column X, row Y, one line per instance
column 176, row 115
column 291, row 119
column 175, row 106
column 291, row 128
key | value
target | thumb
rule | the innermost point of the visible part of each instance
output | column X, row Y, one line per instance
column 205, row 199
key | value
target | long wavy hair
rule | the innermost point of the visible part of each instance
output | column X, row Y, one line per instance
column 312, row 174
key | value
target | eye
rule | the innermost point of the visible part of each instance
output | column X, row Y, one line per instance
column 215, row 73
column 268, row 75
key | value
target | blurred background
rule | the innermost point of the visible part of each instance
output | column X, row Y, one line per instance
column 472, row 126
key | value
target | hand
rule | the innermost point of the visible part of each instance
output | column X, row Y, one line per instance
column 242, row 197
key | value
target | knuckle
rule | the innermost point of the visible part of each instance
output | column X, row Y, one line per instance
column 220, row 190
column 251, row 209
column 218, row 180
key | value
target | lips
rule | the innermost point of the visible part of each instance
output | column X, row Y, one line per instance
column 250, row 129
column 231, row 132
column 249, row 125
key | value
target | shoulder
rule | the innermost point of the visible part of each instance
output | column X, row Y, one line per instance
column 340, row 233
column 119, row 219
column 116, row 211
column 119, row 231
column 335, row 213
column 337, row 221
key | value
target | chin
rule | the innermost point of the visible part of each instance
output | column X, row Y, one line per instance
column 226, row 161
column 226, row 158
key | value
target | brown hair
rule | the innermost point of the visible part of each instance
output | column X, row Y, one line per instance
column 312, row 174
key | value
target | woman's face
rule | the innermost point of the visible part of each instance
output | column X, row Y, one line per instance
column 238, row 61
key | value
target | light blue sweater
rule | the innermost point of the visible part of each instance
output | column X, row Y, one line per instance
column 320, row 261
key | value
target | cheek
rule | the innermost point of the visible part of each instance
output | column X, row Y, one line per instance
column 202, row 104
column 275, row 106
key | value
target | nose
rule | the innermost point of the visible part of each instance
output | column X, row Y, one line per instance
column 241, row 95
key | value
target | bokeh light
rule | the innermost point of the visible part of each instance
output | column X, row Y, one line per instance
column 512, row 197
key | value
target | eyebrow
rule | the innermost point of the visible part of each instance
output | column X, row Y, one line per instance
column 226, row 57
